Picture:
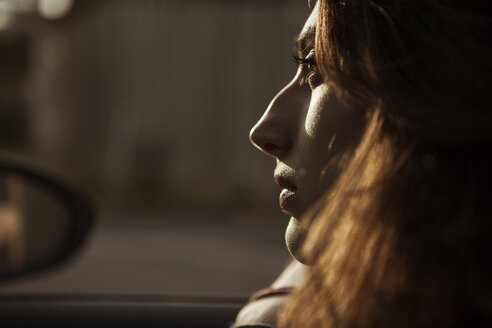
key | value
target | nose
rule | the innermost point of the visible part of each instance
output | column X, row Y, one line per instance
column 274, row 133
column 270, row 138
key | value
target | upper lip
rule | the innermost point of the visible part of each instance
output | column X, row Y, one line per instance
column 284, row 183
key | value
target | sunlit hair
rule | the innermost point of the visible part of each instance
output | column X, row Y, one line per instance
column 403, row 238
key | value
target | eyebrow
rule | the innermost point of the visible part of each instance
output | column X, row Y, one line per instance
column 305, row 41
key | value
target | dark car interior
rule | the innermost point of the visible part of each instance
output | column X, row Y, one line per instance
column 33, row 202
column 126, row 200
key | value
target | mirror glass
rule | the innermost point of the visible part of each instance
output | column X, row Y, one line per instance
column 34, row 223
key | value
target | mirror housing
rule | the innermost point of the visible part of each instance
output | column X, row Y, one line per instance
column 43, row 221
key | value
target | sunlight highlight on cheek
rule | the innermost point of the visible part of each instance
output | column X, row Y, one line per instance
column 312, row 123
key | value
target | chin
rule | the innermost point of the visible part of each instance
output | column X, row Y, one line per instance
column 294, row 238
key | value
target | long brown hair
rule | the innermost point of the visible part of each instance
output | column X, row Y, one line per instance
column 403, row 238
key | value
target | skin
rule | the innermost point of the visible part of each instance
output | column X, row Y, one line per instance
column 306, row 129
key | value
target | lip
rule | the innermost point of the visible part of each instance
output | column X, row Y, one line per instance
column 288, row 195
column 284, row 183
column 286, row 200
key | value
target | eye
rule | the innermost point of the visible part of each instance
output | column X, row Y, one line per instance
column 309, row 70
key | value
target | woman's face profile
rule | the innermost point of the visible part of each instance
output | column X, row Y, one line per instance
column 304, row 128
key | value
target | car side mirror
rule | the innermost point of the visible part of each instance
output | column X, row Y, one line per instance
column 43, row 221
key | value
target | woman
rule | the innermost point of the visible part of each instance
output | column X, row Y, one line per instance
column 402, row 237
column 389, row 118
column 310, row 133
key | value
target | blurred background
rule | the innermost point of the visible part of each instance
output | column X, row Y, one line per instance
column 146, row 105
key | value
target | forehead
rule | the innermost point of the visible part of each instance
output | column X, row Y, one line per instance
column 311, row 21
column 305, row 40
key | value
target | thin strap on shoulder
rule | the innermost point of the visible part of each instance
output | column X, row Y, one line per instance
column 252, row 326
column 270, row 291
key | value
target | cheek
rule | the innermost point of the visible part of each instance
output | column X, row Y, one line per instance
column 329, row 126
column 330, row 130
column 313, row 122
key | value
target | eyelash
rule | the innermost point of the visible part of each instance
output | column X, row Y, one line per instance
column 309, row 62
column 312, row 76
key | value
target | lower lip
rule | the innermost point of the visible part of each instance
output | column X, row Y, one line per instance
column 285, row 200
